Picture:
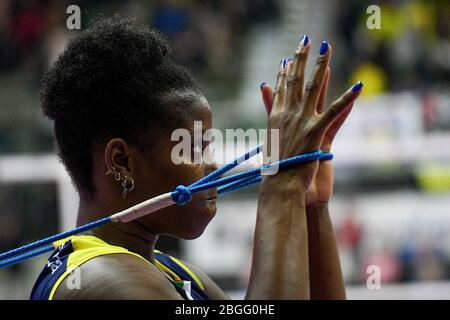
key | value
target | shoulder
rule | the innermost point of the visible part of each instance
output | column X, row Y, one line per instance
column 116, row 276
column 211, row 288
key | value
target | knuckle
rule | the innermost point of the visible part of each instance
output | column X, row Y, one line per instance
column 281, row 73
column 333, row 110
column 311, row 85
column 299, row 55
column 321, row 60
column 280, row 79
column 346, row 98
column 291, row 81
column 275, row 92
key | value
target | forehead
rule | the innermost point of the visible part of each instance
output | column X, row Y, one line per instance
column 198, row 109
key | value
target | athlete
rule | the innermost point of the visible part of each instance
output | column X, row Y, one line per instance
column 115, row 96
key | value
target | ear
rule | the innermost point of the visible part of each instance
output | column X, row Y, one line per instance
column 118, row 157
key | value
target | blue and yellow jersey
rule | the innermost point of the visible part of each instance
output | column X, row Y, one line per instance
column 72, row 252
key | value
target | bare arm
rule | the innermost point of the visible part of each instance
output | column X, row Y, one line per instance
column 280, row 258
column 325, row 276
column 311, row 247
column 326, row 279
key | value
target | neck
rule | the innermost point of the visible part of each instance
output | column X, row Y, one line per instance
column 133, row 235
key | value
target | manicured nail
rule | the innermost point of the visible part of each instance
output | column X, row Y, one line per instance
column 283, row 64
column 289, row 60
column 261, row 86
column 357, row 86
column 305, row 40
column 323, row 48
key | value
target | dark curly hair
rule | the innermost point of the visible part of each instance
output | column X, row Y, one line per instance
column 115, row 79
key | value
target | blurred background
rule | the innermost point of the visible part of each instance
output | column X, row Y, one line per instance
column 391, row 206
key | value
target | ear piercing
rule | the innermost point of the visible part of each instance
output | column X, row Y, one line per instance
column 127, row 183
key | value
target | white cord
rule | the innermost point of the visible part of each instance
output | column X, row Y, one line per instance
column 143, row 208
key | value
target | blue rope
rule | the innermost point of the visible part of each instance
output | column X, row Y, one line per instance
column 182, row 192
column 54, row 238
column 25, row 256
column 326, row 156
column 233, row 186
column 181, row 196
column 227, row 167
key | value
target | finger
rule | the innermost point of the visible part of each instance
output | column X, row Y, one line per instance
column 323, row 91
column 296, row 74
column 312, row 88
column 339, row 106
column 334, row 127
column 266, row 94
column 279, row 96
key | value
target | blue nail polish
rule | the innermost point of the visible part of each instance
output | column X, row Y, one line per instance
column 262, row 85
column 283, row 63
column 323, row 48
column 290, row 59
column 305, row 40
column 357, row 86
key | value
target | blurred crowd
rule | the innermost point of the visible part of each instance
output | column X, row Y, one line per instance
column 409, row 51
column 411, row 257
column 206, row 36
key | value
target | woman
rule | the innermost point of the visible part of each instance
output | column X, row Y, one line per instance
column 115, row 96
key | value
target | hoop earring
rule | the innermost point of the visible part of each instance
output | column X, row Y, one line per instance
column 125, row 187
column 117, row 175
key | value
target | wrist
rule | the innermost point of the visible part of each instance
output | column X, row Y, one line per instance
column 282, row 186
column 298, row 176
column 283, row 180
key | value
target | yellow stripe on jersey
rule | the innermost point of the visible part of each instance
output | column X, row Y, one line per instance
column 192, row 274
column 86, row 248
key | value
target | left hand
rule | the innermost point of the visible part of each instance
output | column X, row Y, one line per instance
column 321, row 187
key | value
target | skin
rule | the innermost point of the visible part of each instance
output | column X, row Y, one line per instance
column 285, row 232
column 326, row 279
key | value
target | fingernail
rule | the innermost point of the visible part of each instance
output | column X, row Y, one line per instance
column 289, row 60
column 262, row 85
column 305, row 40
column 283, row 64
column 323, row 48
column 357, row 86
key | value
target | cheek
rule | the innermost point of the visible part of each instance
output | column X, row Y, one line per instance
column 161, row 174
column 186, row 174
column 167, row 177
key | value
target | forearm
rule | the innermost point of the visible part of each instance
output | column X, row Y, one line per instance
column 326, row 278
column 280, row 254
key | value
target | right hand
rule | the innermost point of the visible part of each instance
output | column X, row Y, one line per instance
column 296, row 111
